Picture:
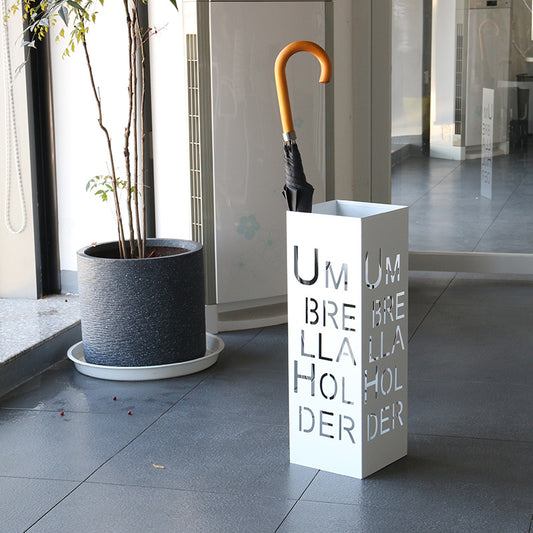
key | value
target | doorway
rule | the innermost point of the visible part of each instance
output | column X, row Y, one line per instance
column 461, row 131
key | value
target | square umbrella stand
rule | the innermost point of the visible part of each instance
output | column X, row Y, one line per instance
column 347, row 265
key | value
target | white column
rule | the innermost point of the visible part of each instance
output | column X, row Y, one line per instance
column 18, row 277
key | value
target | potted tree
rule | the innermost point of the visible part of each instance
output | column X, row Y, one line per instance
column 141, row 299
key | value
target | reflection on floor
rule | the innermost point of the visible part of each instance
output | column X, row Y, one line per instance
column 209, row 452
column 447, row 212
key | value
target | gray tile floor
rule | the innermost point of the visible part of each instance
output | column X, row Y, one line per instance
column 209, row 452
column 447, row 212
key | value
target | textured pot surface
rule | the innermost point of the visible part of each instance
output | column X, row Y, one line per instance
column 141, row 312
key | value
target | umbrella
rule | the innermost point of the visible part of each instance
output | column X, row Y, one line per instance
column 297, row 191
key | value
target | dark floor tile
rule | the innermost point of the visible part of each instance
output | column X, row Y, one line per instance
column 94, row 508
column 63, row 388
column 444, row 484
column 206, row 454
column 320, row 517
column 24, row 501
column 42, row 444
column 260, row 398
column 471, row 409
column 448, row 213
column 427, row 287
column 490, row 292
column 265, row 353
column 417, row 314
column 473, row 343
column 508, row 236
column 443, row 231
column 423, row 170
column 235, row 340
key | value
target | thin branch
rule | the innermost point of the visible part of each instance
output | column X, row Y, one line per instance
column 136, row 28
column 143, row 40
column 121, row 240
column 127, row 132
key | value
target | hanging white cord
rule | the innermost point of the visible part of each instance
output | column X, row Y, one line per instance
column 11, row 135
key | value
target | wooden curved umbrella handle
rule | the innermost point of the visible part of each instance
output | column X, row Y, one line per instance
column 281, row 79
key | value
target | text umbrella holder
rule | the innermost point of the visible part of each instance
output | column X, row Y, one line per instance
column 297, row 191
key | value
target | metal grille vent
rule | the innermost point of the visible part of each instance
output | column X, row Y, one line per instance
column 193, row 89
column 459, row 46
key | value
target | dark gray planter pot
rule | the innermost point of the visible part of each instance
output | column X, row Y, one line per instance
column 142, row 312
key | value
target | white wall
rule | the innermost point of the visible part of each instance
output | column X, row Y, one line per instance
column 17, row 256
column 169, row 121
column 80, row 145
column 406, row 83
column 361, row 76
column 346, row 185
column 442, row 75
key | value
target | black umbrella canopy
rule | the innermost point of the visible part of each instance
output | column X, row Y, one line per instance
column 297, row 191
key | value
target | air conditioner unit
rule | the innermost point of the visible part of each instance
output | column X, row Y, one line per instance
column 235, row 147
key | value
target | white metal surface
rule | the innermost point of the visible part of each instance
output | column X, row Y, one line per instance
column 347, row 307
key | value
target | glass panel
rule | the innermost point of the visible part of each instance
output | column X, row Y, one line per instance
column 462, row 91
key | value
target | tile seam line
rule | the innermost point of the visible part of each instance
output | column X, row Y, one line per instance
column 471, row 381
column 178, row 489
column 79, row 483
column 242, row 346
column 360, row 505
column 484, row 308
column 444, row 177
column 397, row 507
column 114, row 455
column 297, row 501
column 3, row 476
column 432, row 306
column 467, row 437
column 499, row 213
column 203, row 417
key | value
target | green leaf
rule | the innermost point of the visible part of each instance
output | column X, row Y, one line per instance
column 63, row 13
column 76, row 6
column 174, row 3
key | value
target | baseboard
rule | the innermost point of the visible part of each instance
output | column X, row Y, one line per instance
column 38, row 358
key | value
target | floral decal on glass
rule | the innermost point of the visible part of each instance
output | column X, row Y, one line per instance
column 248, row 226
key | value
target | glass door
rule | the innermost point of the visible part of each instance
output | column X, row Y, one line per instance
column 462, row 132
